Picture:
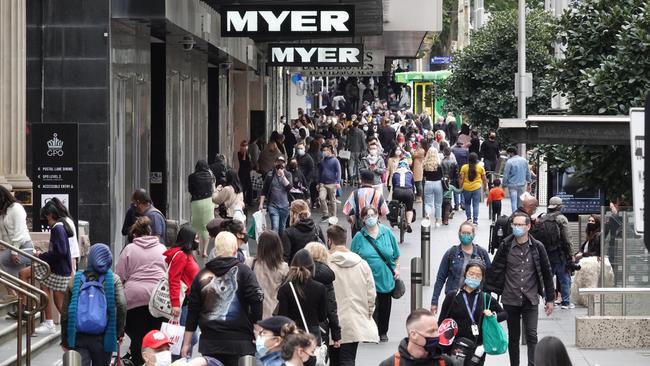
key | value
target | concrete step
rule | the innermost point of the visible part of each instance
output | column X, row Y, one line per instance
column 8, row 327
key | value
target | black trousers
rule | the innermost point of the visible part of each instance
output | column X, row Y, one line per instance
column 446, row 209
column 383, row 304
column 138, row 323
column 496, row 210
column 344, row 355
column 91, row 349
column 527, row 313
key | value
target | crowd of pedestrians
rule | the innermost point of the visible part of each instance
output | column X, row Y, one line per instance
column 308, row 291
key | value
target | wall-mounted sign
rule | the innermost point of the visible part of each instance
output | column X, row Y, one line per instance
column 55, row 165
column 293, row 21
column 294, row 54
column 373, row 65
column 440, row 60
column 637, row 144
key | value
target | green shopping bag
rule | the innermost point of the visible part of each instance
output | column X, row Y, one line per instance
column 495, row 340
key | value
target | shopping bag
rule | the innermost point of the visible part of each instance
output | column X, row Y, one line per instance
column 174, row 332
column 495, row 340
column 345, row 154
column 259, row 219
column 160, row 305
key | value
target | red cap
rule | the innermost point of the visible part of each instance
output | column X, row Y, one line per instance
column 155, row 339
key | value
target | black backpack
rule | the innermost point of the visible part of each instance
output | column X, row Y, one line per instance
column 498, row 231
column 548, row 231
column 393, row 212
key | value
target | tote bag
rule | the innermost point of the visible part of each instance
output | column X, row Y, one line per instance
column 495, row 340
column 160, row 304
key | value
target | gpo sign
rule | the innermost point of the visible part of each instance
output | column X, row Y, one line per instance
column 294, row 21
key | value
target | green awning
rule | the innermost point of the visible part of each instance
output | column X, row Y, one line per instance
column 407, row 77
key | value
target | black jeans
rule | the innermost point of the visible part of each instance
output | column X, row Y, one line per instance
column 91, row 349
column 446, row 209
column 528, row 313
column 139, row 322
column 496, row 210
column 344, row 355
column 382, row 312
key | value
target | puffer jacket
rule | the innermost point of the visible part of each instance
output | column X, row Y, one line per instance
column 200, row 184
column 297, row 236
column 325, row 275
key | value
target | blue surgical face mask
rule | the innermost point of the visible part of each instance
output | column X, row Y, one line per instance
column 472, row 283
column 466, row 239
column 371, row 221
column 260, row 346
column 300, row 152
column 518, row 231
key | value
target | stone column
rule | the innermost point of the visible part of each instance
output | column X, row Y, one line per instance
column 12, row 93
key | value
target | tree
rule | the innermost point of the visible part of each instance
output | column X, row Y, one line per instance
column 606, row 70
column 482, row 83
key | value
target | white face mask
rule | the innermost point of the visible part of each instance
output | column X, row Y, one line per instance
column 164, row 358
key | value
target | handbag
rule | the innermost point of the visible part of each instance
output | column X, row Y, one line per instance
column 322, row 358
column 160, row 304
column 495, row 340
column 257, row 181
column 400, row 287
column 345, row 154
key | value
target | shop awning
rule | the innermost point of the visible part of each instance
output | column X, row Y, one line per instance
column 407, row 77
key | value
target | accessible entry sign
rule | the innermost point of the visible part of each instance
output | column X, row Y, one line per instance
column 55, row 168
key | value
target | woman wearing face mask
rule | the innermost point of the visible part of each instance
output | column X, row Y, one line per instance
column 467, row 305
column 300, row 187
column 418, row 169
column 372, row 235
column 182, row 270
column 591, row 246
column 269, row 338
column 451, row 272
column 140, row 267
column 395, row 157
column 375, row 163
column 298, row 349
column 244, row 171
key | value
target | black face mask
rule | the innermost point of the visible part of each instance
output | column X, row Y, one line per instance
column 592, row 227
column 432, row 344
column 279, row 166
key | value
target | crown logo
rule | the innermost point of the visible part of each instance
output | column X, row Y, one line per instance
column 55, row 146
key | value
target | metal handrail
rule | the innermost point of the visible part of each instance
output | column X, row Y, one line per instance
column 30, row 256
column 19, row 320
column 24, row 285
column 593, row 291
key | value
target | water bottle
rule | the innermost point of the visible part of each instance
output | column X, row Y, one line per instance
column 500, row 232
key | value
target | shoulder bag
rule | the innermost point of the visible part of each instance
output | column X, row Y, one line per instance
column 495, row 340
column 400, row 287
column 321, row 351
column 160, row 304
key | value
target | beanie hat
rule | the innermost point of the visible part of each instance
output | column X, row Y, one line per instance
column 100, row 258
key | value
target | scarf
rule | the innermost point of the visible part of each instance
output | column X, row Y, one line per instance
column 110, row 336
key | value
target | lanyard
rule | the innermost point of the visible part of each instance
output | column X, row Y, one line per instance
column 471, row 312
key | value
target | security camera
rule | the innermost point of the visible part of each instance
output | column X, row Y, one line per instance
column 187, row 43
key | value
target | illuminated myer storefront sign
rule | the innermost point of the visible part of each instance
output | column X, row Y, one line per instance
column 293, row 21
column 291, row 54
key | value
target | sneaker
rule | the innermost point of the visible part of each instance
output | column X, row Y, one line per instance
column 475, row 223
column 437, row 223
column 383, row 338
column 46, row 329
column 325, row 218
column 558, row 302
column 569, row 306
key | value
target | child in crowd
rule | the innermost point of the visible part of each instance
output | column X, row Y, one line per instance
column 448, row 190
column 494, row 198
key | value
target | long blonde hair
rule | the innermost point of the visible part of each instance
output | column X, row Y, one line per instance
column 431, row 160
column 299, row 211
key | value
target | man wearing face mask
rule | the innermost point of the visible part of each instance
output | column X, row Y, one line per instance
column 375, row 164
column 356, row 144
column 268, row 340
column 451, row 272
column 277, row 184
column 421, row 346
column 490, row 152
column 521, row 273
column 156, row 352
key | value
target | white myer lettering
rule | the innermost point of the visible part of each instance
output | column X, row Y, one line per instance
column 279, row 54
column 305, row 53
column 275, row 23
column 303, row 21
column 327, row 54
column 334, row 20
column 314, row 55
column 279, row 20
column 238, row 23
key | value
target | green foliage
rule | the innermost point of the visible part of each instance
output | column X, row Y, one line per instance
column 606, row 69
column 482, row 84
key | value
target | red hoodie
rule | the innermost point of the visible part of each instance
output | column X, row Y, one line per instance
column 183, row 268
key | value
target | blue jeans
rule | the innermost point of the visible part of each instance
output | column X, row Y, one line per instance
column 433, row 198
column 458, row 199
column 182, row 322
column 558, row 266
column 515, row 192
column 472, row 202
column 279, row 217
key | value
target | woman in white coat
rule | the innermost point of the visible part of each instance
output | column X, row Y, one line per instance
column 354, row 287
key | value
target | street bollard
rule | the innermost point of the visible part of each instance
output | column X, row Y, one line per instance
column 71, row 358
column 247, row 360
column 416, row 283
column 425, row 251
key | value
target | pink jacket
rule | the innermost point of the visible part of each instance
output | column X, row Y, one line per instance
column 140, row 266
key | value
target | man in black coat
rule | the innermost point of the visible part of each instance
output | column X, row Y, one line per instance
column 521, row 273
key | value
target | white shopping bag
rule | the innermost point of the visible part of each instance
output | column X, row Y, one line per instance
column 260, row 223
column 175, row 333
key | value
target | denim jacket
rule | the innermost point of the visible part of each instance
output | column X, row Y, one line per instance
column 270, row 359
column 451, row 274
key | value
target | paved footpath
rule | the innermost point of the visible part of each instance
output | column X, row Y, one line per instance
column 560, row 324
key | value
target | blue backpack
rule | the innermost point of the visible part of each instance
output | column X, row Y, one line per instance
column 92, row 310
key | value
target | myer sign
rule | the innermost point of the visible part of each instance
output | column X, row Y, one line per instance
column 373, row 65
column 287, row 20
column 293, row 54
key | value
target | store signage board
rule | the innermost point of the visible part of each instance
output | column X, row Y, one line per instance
column 373, row 65
column 55, row 167
column 294, row 21
column 637, row 144
column 330, row 54
column 440, row 60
